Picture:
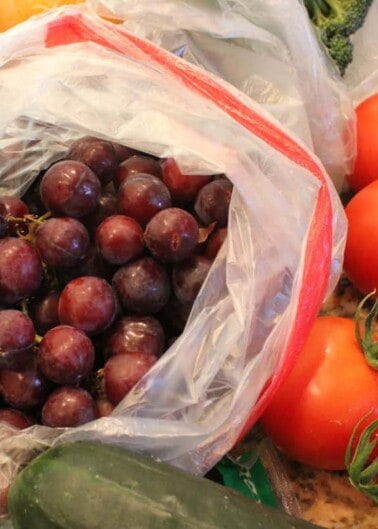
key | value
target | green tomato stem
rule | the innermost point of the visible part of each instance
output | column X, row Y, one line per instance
column 367, row 343
column 363, row 473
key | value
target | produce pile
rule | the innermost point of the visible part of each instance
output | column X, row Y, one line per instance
column 100, row 263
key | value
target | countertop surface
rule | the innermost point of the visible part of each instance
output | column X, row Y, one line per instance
column 329, row 500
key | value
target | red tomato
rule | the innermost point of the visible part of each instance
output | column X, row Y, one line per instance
column 361, row 255
column 366, row 165
column 330, row 388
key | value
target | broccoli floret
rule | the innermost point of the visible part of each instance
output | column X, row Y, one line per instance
column 336, row 21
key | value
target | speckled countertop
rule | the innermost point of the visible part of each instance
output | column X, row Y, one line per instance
column 329, row 500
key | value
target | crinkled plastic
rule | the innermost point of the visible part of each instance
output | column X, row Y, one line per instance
column 268, row 50
column 67, row 73
column 361, row 77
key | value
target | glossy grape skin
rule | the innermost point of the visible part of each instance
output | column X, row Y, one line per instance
column 44, row 311
column 135, row 334
column 123, row 152
column 87, row 303
column 141, row 196
column 183, row 188
column 70, row 188
column 107, row 206
column 172, row 235
column 214, row 243
column 62, row 242
column 14, row 206
column 17, row 338
column 99, row 155
column 120, row 239
column 24, row 388
column 65, row 355
column 213, row 201
column 122, row 372
column 68, row 407
column 136, row 164
column 188, row 277
column 103, row 407
column 15, row 418
column 20, row 270
column 142, row 286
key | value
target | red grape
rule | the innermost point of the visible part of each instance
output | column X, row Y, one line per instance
column 135, row 334
column 103, row 407
column 136, row 164
column 67, row 407
column 62, row 242
column 44, row 311
column 142, row 286
column 123, row 152
column 66, row 355
column 17, row 337
column 99, row 155
column 172, row 235
column 213, row 201
column 107, row 205
column 183, row 188
column 87, row 303
column 15, row 418
column 14, row 206
column 70, row 188
column 122, row 372
column 214, row 243
column 188, row 276
column 141, row 196
column 24, row 388
column 120, row 239
column 20, row 270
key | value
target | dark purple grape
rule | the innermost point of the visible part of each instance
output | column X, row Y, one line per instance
column 213, row 202
column 123, row 152
column 214, row 243
column 141, row 196
column 92, row 265
column 174, row 314
column 182, row 187
column 107, row 206
column 70, row 188
column 12, row 211
column 62, row 242
column 135, row 334
column 142, row 286
column 44, row 311
column 122, row 372
column 20, row 270
column 66, row 355
column 15, row 418
column 136, row 164
column 172, row 235
column 120, row 239
column 17, row 338
column 188, row 277
column 88, row 303
column 99, row 155
column 25, row 388
column 68, row 407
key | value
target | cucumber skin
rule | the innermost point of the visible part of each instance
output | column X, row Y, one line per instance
column 86, row 485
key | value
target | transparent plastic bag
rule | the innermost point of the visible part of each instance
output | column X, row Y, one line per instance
column 268, row 50
column 68, row 73
column 361, row 77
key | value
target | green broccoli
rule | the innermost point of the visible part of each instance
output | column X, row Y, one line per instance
column 337, row 21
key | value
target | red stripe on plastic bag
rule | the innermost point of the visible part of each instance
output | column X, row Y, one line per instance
column 76, row 28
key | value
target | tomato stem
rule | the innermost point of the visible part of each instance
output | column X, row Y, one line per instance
column 362, row 473
column 367, row 343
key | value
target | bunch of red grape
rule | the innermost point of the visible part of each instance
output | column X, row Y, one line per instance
column 100, row 263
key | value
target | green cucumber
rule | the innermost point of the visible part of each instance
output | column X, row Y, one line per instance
column 95, row 486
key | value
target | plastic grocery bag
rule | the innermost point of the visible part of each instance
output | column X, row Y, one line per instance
column 361, row 77
column 67, row 73
column 268, row 50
